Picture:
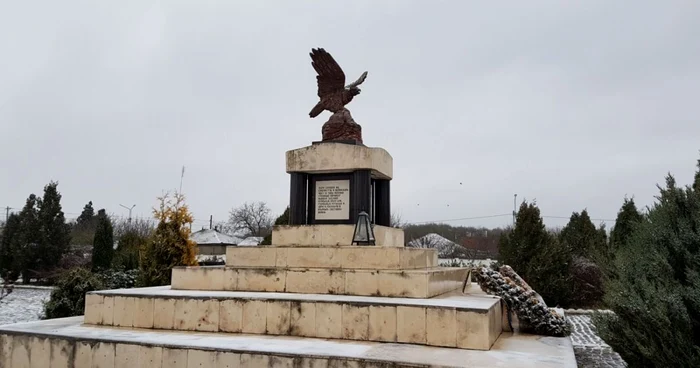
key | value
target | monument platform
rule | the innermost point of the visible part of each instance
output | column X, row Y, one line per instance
column 350, row 257
column 432, row 322
column 336, row 235
column 67, row 342
column 409, row 283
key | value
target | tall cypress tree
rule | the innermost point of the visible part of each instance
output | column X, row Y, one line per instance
column 10, row 256
column 696, row 183
column 627, row 218
column 27, row 239
column 581, row 236
column 588, row 248
column 537, row 256
column 55, row 233
column 103, row 245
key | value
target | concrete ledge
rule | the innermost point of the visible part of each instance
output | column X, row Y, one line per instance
column 65, row 343
column 454, row 321
column 423, row 283
column 356, row 257
column 338, row 157
column 331, row 235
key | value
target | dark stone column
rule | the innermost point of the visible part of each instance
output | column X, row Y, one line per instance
column 382, row 203
column 360, row 193
column 297, row 199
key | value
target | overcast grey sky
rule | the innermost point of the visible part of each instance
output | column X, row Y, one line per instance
column 574, row 105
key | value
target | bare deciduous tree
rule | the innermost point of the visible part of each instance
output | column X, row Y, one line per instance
column 252, row 218
column 396, row 220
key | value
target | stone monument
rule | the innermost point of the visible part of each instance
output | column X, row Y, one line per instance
column 311, row 299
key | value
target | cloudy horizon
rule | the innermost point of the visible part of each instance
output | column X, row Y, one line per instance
column 572, row 105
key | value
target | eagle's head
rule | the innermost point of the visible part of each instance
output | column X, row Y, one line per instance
column 354, row 91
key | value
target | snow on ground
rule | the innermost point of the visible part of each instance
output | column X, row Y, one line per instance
column 23, row 305
column 590, row 350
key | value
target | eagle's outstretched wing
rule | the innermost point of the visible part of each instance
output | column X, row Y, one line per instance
column 330, row 77
column 358, row 81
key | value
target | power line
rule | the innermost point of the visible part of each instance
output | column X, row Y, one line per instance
column 568, row 217
column 463, row 219
column 501, row 215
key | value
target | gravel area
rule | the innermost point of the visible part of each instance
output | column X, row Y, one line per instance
column 590, row 350
column 23, row 305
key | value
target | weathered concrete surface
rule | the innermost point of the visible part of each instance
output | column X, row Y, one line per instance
column 452, row 321
column 331, row 236
column 354, row 257
column 74, row 345
column 338, row 157
column 415, row 283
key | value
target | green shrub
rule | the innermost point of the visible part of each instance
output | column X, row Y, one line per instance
column 118, row 279
column 656, row 294
column 68, row 299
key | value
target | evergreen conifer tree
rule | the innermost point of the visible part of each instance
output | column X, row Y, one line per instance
column 627, row 218
column 656, row 298
column 87, row 215
column 83, row 231
column 283, row 219
column 696, row 182
column 537, row 256
column 171, row 245
column 55, row 233
column 10, row 256
column 589, row 251
column 103, row 245
column 26, row 242
column 581, row 236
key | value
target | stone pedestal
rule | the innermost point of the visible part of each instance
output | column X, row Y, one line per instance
column 331, row 183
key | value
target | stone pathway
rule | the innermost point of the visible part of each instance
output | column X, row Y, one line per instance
column 590, row 350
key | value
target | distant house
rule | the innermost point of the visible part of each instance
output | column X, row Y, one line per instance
column 213, row 242
column 251, row 241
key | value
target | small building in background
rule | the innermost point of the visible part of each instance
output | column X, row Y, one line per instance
column 211, row 242
column 251, row 241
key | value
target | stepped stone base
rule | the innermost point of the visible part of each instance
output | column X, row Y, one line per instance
column 421, row 283
column 66, row 343
column 452, row 321
column 358, row 257
column 331, row 235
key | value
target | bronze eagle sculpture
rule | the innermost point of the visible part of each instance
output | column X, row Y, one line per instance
column 332, row 91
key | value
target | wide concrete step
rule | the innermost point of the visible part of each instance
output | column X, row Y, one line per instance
column 66, row 343
column 350, row 257
column 421, row 283
column 331, row 235
column 452, row 321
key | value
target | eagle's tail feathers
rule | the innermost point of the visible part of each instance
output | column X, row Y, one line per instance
column 316, row 110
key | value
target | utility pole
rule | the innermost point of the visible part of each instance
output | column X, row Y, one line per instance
column 128, row 208
column 211, row 218
column 182, row 175
column 7, row 214
column 515, row 198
